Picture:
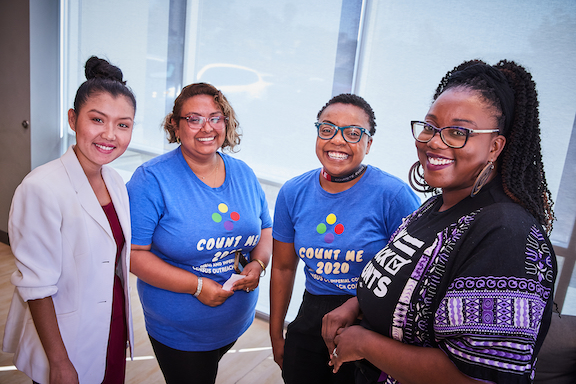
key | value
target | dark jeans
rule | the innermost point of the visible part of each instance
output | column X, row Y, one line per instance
column 306, row 356
column 184, row 367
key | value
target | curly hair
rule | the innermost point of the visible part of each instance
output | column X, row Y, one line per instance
column 101, row 76
column 172, row 120
column 349, row 98
column 510, row 89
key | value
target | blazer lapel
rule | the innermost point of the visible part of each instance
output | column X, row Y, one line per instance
column 84, row 191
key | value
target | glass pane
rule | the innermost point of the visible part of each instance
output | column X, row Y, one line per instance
column 565, row 203
column 569, row 307
column 275, row 62
column 133, row 35
column 408, row 49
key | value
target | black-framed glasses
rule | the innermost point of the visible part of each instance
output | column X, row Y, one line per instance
column 454, row 137
column 198, row 121
column 350, row 133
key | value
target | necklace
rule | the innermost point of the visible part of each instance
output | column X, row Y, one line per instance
column 357, row 173
column 214, row 170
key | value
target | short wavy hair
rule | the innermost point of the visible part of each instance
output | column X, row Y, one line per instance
column 172, row 120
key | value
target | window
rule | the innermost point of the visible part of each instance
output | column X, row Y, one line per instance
column 279, row 63
column 409, row 46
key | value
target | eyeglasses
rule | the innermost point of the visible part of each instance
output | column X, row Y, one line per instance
column 352, row 134
column 454, row 137
column 197, row 121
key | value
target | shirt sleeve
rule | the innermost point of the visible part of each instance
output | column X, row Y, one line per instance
column 265, row 212
column 283, row 229
column 489, row 321
column 403, row 204
column 146, row 205
column 36, row 241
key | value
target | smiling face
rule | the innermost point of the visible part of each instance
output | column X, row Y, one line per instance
column 339, row 157
column 200, row 144
column 103, row 127
column 455, row 170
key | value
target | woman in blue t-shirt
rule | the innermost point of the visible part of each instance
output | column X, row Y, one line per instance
column 334, row 219
column 194, row 211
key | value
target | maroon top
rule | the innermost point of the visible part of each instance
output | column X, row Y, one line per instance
column 116, row 355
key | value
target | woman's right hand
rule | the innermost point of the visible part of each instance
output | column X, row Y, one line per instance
column 212, row 293
column 283, row 272
column 63, row 373
column 44, row 316
column 278, row 349
column 342, row 317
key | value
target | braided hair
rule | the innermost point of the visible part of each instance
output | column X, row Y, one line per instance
column 509, row 88
column 101, row 76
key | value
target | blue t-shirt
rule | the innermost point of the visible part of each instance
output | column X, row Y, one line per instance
column 197, row 228
column 336, row 234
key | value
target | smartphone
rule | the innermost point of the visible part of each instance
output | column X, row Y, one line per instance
column 239, row 261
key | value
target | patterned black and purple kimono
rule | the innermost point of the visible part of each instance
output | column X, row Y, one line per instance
column 476, row 281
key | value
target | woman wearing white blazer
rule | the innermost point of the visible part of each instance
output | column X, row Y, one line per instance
column 69, row 230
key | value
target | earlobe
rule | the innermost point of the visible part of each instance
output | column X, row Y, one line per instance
column 497, row 146
column 175, row 125
column 368, row 145
column 72, row 119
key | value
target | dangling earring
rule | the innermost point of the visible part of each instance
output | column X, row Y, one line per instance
column 417, row 181
column 178, row 139
column 482, row 178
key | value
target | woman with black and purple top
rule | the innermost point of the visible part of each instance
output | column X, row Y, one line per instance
column 463, row 291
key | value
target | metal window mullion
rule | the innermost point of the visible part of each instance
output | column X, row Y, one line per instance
column 359, row 47
column 351, row 18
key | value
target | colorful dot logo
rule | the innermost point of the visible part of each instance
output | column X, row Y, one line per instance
column 322, row 228
column 223, row 209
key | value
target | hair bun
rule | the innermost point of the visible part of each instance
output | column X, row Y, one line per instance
column 100, row 68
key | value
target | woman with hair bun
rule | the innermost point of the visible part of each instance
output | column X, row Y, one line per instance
column 463, row 292
column 69, row 230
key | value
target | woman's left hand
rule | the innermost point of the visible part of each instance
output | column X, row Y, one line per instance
column 252, row 272
column 341, row 317
column 348, row 346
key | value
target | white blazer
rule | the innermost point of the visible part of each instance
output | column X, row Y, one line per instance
column 64, row 248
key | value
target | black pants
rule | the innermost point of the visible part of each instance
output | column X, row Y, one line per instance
column 366, row 373
column 184, row 367
column 305, row 353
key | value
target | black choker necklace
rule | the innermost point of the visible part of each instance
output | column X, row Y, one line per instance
column 357, row 173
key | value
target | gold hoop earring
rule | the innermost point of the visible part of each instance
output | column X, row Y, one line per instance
column 177, row 139
column 482, row 178
column 417, row 181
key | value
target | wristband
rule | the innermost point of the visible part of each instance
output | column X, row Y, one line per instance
column 199, row 287
column 263, row 273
